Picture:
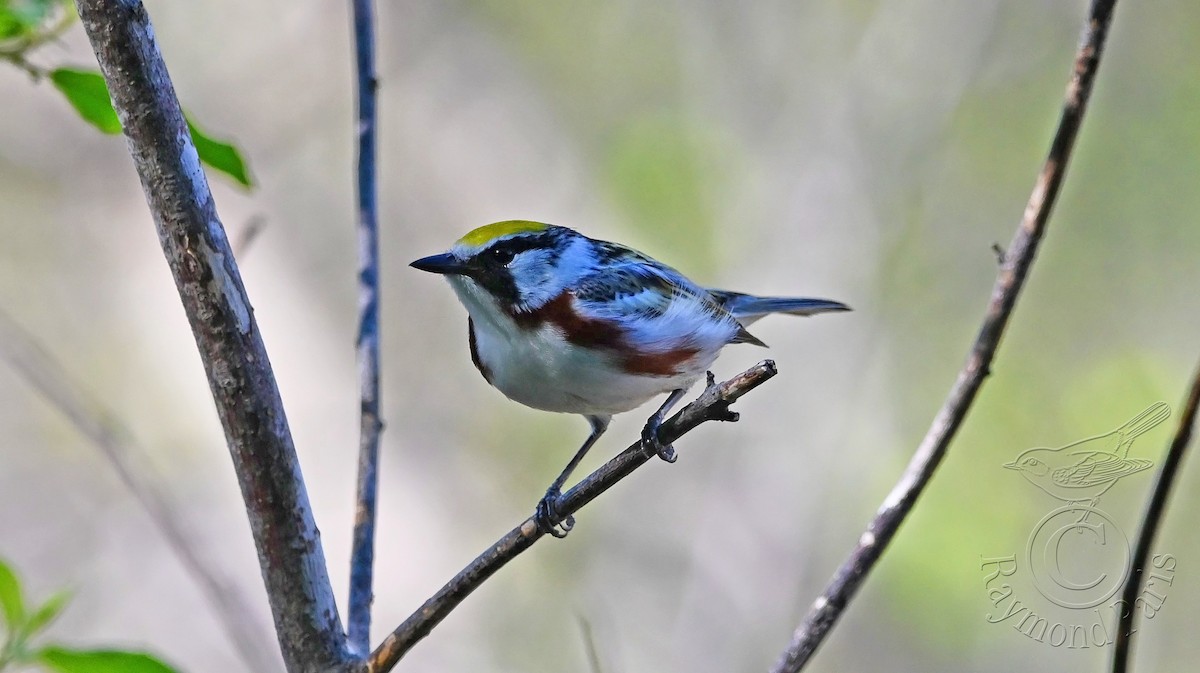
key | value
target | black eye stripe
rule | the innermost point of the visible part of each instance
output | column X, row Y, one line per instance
column 500, row 254
column 488, row 267
column 501, row 286
column 511, row 247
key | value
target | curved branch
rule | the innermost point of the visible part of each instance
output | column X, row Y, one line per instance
column 227, row 336
column 1017, row 261
column 1123, row 643
column 362, row 552
column 117, row 445
column 712, row 405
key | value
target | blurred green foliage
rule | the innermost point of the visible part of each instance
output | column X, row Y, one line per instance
column 613, row 71
column 975, row 508
column 680, row 113
column 667, row 175
column 21, row 628
column 27, row 24
column 25, row 21
column 66, row 660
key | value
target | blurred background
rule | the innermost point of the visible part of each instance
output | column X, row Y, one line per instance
column 867, row 151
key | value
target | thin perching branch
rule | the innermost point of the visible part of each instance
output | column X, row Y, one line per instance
column 712, row 405
column 117, row 445
column 227, row 336
column 362, row 553
column 1123, row 643
column 826, row 609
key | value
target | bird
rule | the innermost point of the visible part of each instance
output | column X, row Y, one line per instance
column 1083, row 471
column 565, row 323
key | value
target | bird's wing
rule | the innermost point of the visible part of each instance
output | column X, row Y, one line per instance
column 1098, row 467
column 655, row 303
column 624, row 290
column 643, row 290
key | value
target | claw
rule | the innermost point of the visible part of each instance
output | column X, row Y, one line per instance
column 547, row 518
column 651, row 444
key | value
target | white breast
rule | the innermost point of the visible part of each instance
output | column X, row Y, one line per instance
column 541, row 369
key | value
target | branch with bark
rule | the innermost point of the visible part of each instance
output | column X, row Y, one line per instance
column 243, row 385
column 1155, row 510
column 362, row 552
column 1014, row 268
column 248, row 403
column 130, row 461
column 712, row 405
column 231, row 348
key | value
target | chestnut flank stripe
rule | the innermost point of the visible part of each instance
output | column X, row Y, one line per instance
column 602, row 334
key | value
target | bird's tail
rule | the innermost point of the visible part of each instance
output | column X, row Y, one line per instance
column 748, row 308
column 1153, row 415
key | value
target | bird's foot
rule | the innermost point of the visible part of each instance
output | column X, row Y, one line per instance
column 548, row 518
column 652, row 445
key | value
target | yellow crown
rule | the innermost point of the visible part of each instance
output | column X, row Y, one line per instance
column 490, row 232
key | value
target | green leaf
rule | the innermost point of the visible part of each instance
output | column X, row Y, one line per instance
column 67, row 660
column 47, row 612
column 11, row 603
column 88, row 94
column 220, row 155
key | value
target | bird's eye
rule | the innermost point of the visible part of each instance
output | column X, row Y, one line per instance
column 501, row 255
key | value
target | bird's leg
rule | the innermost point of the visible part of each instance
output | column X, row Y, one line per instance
column 546, row 515
column 650, row 441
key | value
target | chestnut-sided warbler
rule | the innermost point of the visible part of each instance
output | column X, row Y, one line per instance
column 562, row 322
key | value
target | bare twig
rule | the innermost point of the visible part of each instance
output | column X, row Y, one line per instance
column 18, row 60
column 116, row 443
column 1123, row 643
column 226, row 333
column 247, row 235
column 15, row 50
column 998, row 250
column 589, row 646
column 362, row 554
column 826, row 610
column 712, row 405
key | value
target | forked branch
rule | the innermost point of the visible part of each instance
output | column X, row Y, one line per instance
column 226, row 333
column 712, row 405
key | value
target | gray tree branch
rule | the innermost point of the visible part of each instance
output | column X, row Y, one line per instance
column 712, row 405
column 227, row 336
column 1017, row 261
column 248, row 402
